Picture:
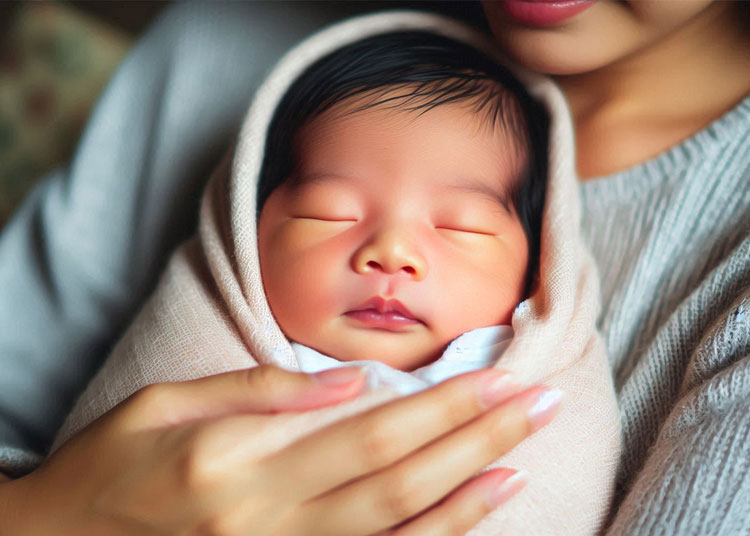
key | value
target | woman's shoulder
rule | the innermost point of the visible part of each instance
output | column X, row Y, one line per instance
column 671, row 238
column 663, row 225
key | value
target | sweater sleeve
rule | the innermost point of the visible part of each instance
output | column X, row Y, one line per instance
column 80, row 255
column 695, row 479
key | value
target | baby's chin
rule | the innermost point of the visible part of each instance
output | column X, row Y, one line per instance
column 396, row 354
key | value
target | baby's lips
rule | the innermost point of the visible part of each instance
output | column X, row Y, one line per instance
column 386, row 305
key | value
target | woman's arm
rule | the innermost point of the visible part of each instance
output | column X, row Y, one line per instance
column 695, row 479
column 85, row 248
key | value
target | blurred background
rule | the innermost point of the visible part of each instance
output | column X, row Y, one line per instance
column 55, row 58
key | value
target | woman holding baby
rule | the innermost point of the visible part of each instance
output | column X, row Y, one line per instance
column 658, row 95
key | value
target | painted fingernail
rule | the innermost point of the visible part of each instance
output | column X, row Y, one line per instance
column 507, row 487
column 338, row 376
column 541, row 405
column 496, row 386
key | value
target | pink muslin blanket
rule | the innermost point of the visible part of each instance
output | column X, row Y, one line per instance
column 209, row 313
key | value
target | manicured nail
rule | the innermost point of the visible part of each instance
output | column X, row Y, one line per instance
column 542, row 404
column 496, row 386
column 507, row 487
column 337, row 377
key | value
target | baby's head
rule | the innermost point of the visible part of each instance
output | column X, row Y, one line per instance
column 400, row 200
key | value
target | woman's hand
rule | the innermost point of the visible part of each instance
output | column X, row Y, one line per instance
column 189, row 458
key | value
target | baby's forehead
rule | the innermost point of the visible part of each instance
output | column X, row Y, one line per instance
column 499, row 118
column 462, row 151
column 465, row 191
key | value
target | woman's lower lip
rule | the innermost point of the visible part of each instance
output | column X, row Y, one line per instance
column 544, row 12
column 390, row 321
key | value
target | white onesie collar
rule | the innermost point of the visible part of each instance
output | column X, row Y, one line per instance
column 473, row 350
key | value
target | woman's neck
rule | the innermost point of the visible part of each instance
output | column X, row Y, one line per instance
column 632, row 110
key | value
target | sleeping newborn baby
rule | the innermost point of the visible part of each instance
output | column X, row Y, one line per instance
column 400, row 206
column 386, row 208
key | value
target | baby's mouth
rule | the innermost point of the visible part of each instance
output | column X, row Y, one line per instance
column 380, row 313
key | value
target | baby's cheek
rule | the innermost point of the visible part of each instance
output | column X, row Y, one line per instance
column 295, row 300
column 484, row 287
column 302, row 279
column 296, row 254
column 305, row 305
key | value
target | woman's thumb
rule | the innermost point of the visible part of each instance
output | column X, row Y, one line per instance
column 259, row 390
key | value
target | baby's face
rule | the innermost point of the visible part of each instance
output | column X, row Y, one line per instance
column 396, row 235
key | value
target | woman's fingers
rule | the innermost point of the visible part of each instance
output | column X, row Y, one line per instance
column 465, row 507
column 384, row 466
column 417, row 482
column 259, row 390
column 368, row 442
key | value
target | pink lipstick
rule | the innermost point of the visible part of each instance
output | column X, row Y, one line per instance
column 544, row 12
column 379, row 313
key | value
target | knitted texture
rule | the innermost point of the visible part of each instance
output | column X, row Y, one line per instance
column 672, row 240
column 209, row 313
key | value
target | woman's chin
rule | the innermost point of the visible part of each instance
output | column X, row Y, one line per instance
column 554, row 54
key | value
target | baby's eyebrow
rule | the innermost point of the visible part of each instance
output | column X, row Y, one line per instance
column 496, row 194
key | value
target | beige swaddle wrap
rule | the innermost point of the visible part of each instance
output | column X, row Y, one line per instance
column 209, row 313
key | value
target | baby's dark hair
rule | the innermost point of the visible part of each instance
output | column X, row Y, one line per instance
column 428, row 71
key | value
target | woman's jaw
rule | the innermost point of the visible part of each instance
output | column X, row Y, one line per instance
column 574, row 37
column 638, row 77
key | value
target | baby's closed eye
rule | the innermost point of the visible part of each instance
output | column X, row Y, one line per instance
column 465, row 229
column 471, row 221
column 325, row 202
column 330, row 218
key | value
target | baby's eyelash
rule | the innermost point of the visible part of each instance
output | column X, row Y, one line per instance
column 462, row 230
column 331, row 220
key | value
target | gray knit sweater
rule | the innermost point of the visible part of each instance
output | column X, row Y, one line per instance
column 671, row 236
column 672, row 241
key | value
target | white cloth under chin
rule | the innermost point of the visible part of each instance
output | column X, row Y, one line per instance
column 473, row 350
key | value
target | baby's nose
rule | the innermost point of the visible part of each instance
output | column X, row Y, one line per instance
column 390, row 252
